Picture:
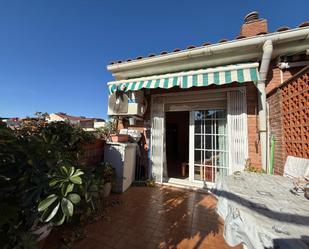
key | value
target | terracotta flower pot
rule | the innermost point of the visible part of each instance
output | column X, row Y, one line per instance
column 119, row 138
column 106, row 190
column 42, row 232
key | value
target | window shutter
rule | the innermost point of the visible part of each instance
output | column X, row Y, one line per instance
column 157, row 139
column 237, row 130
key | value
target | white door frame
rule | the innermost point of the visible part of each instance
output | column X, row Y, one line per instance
column 191, row 147
column 183, row 101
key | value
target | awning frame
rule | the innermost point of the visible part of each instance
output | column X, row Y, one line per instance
column 203, row 77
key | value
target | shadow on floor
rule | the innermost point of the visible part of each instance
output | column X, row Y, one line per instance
column 159, row 217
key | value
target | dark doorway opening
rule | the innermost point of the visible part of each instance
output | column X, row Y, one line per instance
column 177, row 144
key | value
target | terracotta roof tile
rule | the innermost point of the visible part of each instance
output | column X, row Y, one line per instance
column 262, row 33
column 280, row 29
column 73, row 118
column 304, row 24
column 240, row 37
column 206, row 43
column 283, row 28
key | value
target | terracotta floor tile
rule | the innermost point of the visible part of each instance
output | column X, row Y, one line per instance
column 159, row 217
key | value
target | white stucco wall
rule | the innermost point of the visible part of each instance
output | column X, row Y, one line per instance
column 99, row 124
column 53, row 117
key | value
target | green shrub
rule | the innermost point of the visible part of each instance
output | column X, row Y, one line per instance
column 59, row 204
column 39, row 178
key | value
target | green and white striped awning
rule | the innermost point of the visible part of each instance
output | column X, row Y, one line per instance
column 204, row 77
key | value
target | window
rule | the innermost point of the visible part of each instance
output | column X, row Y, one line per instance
column 210, row 144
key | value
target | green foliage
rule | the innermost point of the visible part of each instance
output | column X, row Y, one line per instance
column 59, row 141
column 94, row 180
column 108, row 172
column 150, row 183
column 109, row 128
column 250, row 168
column 37, row 177
column 59, row 205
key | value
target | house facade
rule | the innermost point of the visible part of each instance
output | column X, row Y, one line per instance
column 206, row 109
column 88, row 124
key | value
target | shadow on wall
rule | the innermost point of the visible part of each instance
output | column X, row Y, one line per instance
column 114, row 156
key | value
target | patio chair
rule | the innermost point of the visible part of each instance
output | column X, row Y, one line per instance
column 296, row 167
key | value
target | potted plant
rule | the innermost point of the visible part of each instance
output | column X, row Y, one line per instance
column 114, row 133
column 108, row 174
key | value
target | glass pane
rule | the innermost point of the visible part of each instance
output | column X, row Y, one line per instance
column 221, row 173
column 197, row 126
column 198, row 157
column 221, row 113
column 221, row 126
column 198, row 115
column 197, row 141
column 209, row 174
column 222, row 160
column 198, row 173
column 209, row 142
column 210, row 114
column 208, row 154
column 208, row 126
column 221, row 143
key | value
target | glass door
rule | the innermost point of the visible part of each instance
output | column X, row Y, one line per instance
column 208, row 145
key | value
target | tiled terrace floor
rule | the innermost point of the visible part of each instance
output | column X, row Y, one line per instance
column 158, row 218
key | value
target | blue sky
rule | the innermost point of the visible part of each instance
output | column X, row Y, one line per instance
column 53, row 53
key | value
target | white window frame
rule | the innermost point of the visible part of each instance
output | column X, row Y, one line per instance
column 213, row 151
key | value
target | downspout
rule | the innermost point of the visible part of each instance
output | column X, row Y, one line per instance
column 266, row 58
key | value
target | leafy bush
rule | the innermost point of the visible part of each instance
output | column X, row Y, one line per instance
column 111, row 127
column 18, row 191
column 94, row 179
column 59, row 205
column 39, row 177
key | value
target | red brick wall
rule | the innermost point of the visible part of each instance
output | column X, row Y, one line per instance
column 254, row 28
column 274, row 76
column 253, row 126
column 93, row 153
column 289, row 115
column 276, row 129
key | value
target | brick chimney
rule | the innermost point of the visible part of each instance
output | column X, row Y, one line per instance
column 253, row 25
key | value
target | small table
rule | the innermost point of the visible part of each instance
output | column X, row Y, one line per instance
column 260, row 211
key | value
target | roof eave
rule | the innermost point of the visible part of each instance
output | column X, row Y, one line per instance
column 246, row 49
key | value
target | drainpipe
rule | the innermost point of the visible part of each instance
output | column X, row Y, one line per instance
column 266, row 58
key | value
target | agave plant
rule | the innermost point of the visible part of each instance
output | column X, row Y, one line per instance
column 59, row 205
